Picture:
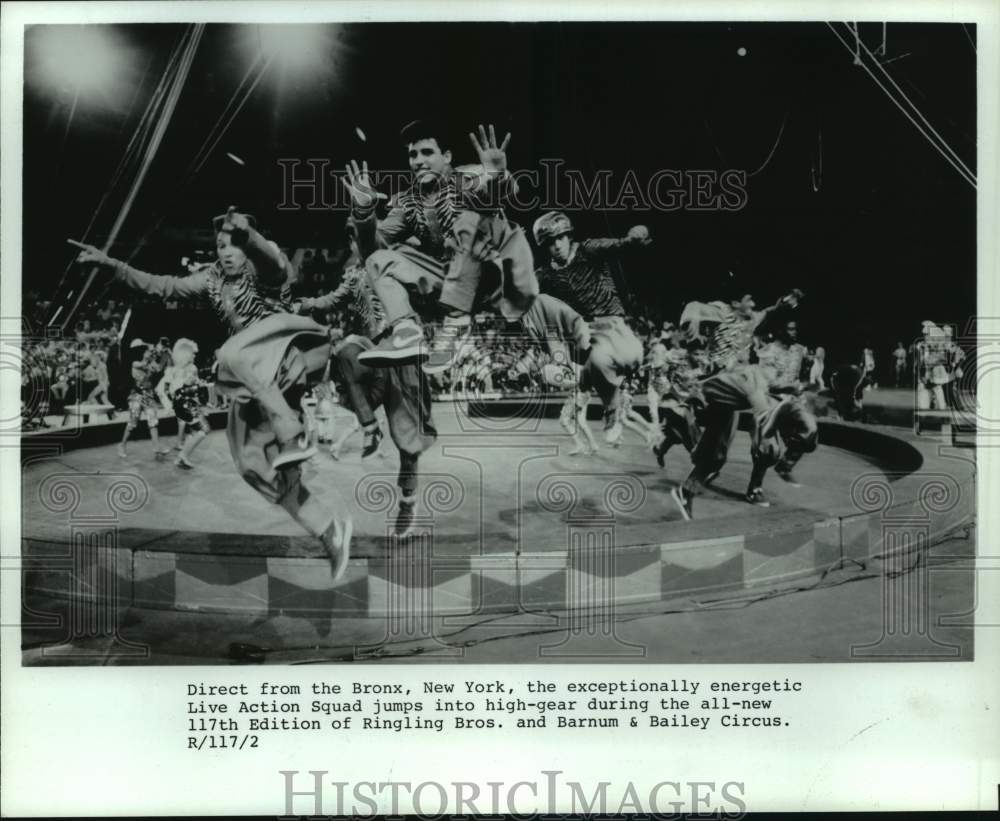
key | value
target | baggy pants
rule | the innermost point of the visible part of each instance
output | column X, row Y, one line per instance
column 478, row 242
column 404, row 394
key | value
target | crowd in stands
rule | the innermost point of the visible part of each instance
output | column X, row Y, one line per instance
column 66, row 369
column 74, row 368
column 60, row 370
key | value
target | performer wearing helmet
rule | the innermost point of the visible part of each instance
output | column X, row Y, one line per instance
column 180, row 387
column 265, row 366
column 579, row 275
column 465, row 245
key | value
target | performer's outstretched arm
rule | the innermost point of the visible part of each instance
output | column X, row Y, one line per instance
column 165, row 287
column 638, row 235
column 789, row 300
column 328, row 301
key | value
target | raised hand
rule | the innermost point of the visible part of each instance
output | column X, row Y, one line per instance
column 90, row 254
column 237, row 226
column 793, row 298
column 639, row 234
column 358, row 184
column 492, row 156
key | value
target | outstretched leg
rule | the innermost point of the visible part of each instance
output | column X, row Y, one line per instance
column 261, row 425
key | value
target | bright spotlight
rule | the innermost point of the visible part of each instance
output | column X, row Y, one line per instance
column 293, row 46
column 83, row 60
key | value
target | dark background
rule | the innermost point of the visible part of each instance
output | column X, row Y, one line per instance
column 887, row 240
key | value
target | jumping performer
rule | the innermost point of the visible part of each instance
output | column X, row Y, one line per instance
column 265, row 366
column 456, row 216
column 734, row 385
column 579, row 275
column 569, row 356
column 400, row 389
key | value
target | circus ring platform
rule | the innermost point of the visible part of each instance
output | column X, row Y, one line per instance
column 507, row 520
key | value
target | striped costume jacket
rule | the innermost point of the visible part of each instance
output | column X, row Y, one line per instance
column 429, row 216
column 259, row 289
column 365, row 314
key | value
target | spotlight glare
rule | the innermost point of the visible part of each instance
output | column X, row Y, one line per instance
column 294, row 46
column 85, row 60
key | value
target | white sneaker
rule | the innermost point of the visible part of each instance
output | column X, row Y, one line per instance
column 403, row 346
column 289, row 453
column 337, row 541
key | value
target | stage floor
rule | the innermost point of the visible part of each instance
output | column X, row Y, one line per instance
column 487, row 487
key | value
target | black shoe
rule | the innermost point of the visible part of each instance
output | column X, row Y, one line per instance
column 684, row 501
column 786, row 475
column 711, row 477
column 373, row 438
column 660, row 454
column 404, row 517
column 402, row 347
column 757, row 497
